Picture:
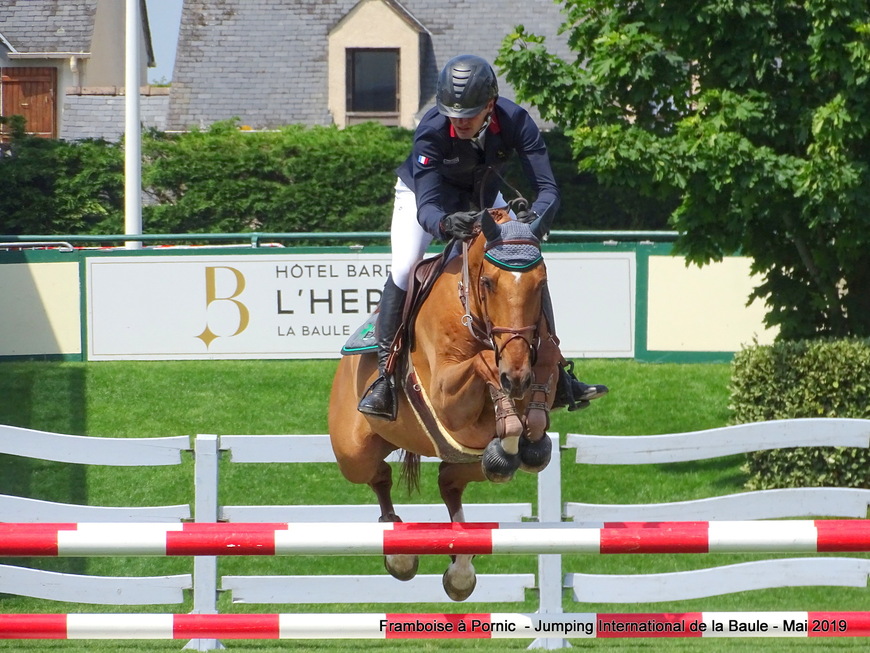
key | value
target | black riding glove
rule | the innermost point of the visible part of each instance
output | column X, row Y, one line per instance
column 528, row 216
column 459, row 225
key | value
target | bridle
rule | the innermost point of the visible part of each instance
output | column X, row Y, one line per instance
column 481, row 327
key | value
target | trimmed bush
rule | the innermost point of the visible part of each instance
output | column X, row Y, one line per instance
column 53, row 187
column 223, row 179
column 291, row 180
column 805, row 378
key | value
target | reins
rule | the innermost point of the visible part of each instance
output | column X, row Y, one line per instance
column 481, row 335
column 486, row 333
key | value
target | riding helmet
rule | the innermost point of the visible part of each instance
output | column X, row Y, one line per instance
column 464, row 86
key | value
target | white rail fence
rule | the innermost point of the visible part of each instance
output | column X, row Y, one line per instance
column 763, row 504
column 550, row 580
column 82, row 450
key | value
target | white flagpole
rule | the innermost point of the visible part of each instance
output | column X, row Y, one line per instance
column 133, row 135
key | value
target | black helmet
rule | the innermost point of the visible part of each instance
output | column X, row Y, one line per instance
column 464, row 87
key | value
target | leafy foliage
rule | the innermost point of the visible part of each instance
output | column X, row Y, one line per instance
column 219, row 180
column 51, row 187
column 223, row 179
column 296, row 179
column 754, row 114
column 818, row 378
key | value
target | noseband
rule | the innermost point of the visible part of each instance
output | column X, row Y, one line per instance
column 482, row 328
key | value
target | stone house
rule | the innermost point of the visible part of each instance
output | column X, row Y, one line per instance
column 63, row 67
column 266, row 62
column 277, row 62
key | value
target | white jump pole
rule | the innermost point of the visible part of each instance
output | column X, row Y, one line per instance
column 429, row 626
column 223, row 539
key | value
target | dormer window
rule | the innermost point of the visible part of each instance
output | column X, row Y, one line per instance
column 375, row 65
column 372, row 81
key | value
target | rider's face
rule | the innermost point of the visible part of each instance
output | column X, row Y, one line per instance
column 467, row 128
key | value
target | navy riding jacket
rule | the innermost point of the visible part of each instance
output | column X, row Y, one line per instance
column 446, row 173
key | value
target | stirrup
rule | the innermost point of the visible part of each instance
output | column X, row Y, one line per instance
column 380, row 400
column 572, row 393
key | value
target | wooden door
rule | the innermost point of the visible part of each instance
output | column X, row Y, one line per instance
column 30, row 92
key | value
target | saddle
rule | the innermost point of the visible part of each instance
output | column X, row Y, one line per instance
column 363, row 341
column 422, row 278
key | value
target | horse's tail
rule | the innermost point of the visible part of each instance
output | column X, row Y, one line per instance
column 410, row 474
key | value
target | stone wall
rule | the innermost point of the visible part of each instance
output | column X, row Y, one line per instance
column 99, row 112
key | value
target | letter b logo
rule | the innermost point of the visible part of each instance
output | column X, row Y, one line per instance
column 231, row 286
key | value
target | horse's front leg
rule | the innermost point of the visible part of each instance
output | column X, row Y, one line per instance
column 501, row 458
column 400, row 566
column 545, row 374
column 535, row 447
column 460, row 578
column 461, row 389
column 477, row 378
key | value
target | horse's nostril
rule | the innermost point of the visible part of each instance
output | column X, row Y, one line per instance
column 506, row 384
column 525, row 385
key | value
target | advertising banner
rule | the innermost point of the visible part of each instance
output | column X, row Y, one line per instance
column 291, row 305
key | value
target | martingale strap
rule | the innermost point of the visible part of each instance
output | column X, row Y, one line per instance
column 448, row 449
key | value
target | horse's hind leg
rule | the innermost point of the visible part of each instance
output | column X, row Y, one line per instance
column 460, row 578
column 401, row 566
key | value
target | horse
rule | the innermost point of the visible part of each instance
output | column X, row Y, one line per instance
column 475, row 389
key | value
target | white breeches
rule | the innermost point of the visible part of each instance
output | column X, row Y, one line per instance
column 408, row 239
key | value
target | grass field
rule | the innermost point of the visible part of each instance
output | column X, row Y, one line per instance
column 264, row 397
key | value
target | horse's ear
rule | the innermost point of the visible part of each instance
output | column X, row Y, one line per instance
column 538, row 228
column 490, row 227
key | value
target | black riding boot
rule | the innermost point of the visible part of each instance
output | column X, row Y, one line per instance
column 380, row 400
column 573, row 393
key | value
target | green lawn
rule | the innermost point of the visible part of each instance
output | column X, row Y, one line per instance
column 142, row 399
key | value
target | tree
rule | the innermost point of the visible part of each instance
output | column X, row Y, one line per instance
column 755, row 113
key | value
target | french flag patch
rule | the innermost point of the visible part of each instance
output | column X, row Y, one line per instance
column 424, row 160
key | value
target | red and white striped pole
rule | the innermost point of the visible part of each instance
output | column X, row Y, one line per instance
column 434, row 626
column 195, row 539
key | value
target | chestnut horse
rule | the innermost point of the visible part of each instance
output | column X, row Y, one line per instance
column 483, row 362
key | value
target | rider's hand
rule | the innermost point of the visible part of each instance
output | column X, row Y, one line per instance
column 528, row 216
column 459, row 225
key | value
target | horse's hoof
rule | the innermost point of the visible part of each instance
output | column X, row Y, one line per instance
column 392, row 518
column 498, row 465
column 535, row 456
column 456, row 589
column 402, row 566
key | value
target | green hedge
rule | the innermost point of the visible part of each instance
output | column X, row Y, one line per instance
column 53, row 187
column 795, row 379
column 294, row 179
column 223, row 179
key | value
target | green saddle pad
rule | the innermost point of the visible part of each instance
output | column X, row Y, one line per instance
column 363, row 339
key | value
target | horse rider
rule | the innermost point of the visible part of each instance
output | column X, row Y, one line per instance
column 470, row 130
